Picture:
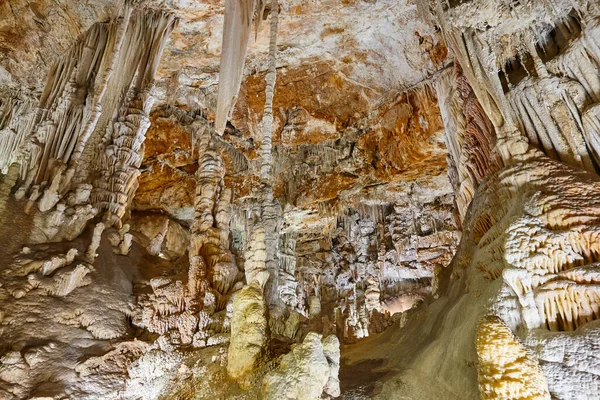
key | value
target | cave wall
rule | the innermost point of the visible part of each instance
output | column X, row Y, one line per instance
column 512, row 309
column 159, row 257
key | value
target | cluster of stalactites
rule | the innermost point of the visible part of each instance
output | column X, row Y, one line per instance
column 120, row 160
column 556, row 103
column 539, row 85
column 78, row 108
column 470, row 137
column 17, row 114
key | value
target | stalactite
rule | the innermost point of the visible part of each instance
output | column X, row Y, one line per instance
column 17, row 116
column 96, row 109
column 378, row 261
column 236, row 33
column 470, row 137
column 540, row 83
column 61, row 106
column 79, row 107
column 548, row 122
column 267, row 119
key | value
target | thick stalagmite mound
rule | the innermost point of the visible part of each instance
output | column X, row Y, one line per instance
column 252, row 199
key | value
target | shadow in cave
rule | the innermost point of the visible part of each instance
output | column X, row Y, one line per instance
column 358, row 380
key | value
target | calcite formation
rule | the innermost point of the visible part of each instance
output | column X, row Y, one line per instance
column 299, row 200
column 307, row 372
column 248, row 334
column 507, row 369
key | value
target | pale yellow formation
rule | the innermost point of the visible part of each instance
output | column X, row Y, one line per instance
column 507, row 370
column 248, row 334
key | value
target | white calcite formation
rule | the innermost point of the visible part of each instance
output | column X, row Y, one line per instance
column 379, row 260
column 237, row 27
column 308, row 372
column 58, row 149
column 544, row 254
column 378, row 200
column 17, row 116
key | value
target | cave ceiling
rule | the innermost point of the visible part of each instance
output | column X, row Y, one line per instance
column 355, row 117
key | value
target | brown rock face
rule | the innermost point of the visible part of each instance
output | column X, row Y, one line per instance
column 317, row 87
column 331, row 137
column 167, row 181
column 34, row 33
column 403, row 145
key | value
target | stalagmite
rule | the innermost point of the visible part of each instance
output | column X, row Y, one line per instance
column 507, row 370
column 307, row 372
column 248, row 334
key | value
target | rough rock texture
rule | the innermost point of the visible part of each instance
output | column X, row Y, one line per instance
column 179, row 239
column 507, row 369
column 307, row 372
column 248, row 334
column 59, row 310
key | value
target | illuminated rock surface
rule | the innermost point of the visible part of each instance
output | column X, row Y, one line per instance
column 299, row 200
